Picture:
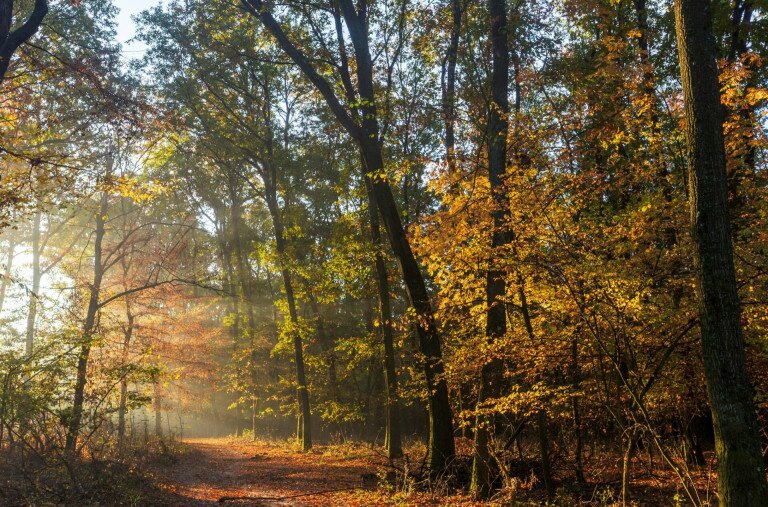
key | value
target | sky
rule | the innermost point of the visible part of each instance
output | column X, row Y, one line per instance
column 126, row 28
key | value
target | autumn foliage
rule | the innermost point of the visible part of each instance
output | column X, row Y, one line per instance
column 447, row 252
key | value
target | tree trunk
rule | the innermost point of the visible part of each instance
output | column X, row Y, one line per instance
column 366, row 134
column 741, row 18
column 626, row 468
column 124, row 380
column 326, row 346
column 496, row 324
column 643, row 44
column 575, row 382
column 10, row 40
column 441, row 445
column 741, row 474
column 8, row 270
column 35, row 289
column 546, row 464
column 393, row 439
column 304, row 429
column 157, row 406
column 449, row 85
column 89, row 324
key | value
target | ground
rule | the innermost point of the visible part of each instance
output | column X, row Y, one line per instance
column 238, row 472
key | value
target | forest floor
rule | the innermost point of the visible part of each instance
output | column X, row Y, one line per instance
column 239, row 472
column 236, row 472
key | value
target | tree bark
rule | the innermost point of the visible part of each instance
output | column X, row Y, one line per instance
column 741, row 17
column 157, row 406
column 10, row 40
column 393, row 438
column 741, row 473
column 327, row 346
column 8, row 270
column 448, row 82
column 89, row 324
column 127, row 336
column 441, row 444
column 576, row 412
column 304, row 428
column 34, row 293
column 491, row 375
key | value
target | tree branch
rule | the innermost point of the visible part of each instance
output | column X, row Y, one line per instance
column 259, row 10
column 10, row 41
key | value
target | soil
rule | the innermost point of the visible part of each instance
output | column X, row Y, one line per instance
column 235, row 472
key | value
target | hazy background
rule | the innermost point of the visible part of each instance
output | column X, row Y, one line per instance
column 126, row 28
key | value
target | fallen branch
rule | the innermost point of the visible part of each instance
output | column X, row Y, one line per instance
column 281, row 498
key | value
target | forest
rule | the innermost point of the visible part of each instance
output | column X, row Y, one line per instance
column 384, row 252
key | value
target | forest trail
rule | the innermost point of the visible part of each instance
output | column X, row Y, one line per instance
column 262, row 474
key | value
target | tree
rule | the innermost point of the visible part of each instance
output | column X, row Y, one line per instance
column 392, row 440
column 741, row 472
column 89, row 323
column 491, row 376
column 11, row 38
column 360, row 119
column 108, row 252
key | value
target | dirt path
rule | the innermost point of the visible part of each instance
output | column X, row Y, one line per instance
column 259, row 474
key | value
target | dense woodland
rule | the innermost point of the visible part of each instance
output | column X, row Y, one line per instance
column 516, row 251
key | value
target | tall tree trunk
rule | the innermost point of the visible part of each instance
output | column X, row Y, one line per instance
column 157, row 406
column 8, row 270
column 441, row 447
column 90, row 322
column 746, row 160
column 34, row 293
column 231, row 285
column 741, row 17
column 127, row 336
column 441, row 444
column 366, row 134
column 576, row 412
column 496, row 323
column 448, row 83
column 393, row 438
column 327, row 346
column 304, row 429
column 741, row 473
column 542, row 428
